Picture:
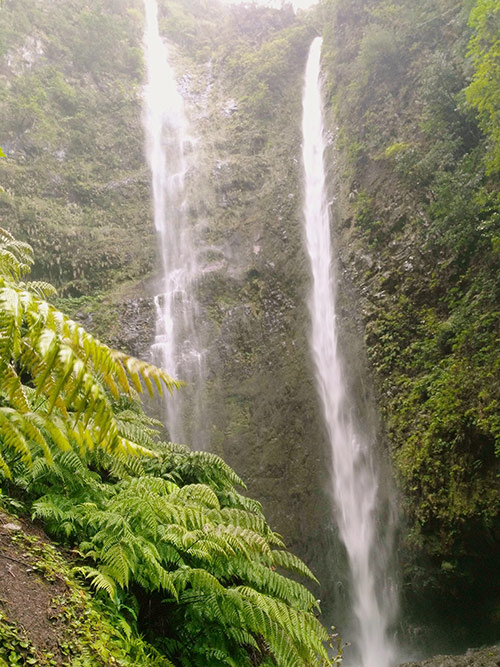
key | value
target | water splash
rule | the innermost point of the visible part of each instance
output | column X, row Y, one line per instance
column 355, row 478
column 176, row 347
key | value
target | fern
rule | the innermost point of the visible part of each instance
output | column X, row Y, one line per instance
column 70, row 370
column 147, row 518
column 142, row 531
column 199, row 579
column 289, row 561
column 214, row 571
column 210, row 568
column 99, row 580
column 39, row 287
column 265, row 580
column 250, row 521
column 16, row 257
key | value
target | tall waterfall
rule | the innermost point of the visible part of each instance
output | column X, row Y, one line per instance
column 176, row 347
column 355, row 478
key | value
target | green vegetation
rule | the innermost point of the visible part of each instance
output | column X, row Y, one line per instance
column 484, row 90
column 55, row 377
column 162, row 533
column 74, row 181
column 79, row 629
column 423, row 213
column 414, row 89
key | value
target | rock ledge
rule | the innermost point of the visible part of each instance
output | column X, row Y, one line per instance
column 484, row 657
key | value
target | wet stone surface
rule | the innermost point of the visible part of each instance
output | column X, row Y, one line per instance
column 484, row 657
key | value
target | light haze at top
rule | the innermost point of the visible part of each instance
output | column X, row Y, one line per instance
column 297, row 4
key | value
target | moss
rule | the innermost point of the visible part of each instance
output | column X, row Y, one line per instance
column 59, row 622
column 422, row 211
column 75, row 182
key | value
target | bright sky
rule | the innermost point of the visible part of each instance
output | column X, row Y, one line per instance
column 298, row 4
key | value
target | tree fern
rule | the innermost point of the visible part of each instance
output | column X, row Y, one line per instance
column 16, row 257
column 141, row 531
column 149, row 519
column 150, row 532
column 291, row 562
column 73, row 372
column 212, row 569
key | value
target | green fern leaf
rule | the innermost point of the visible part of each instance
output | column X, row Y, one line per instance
column 99, row 580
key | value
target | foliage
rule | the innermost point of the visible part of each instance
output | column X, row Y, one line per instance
column 178, row 551
column 14, row 648
column 70, row 128
column 425, row 217
column 55, row 377
column 188, row 549
column 484, row 90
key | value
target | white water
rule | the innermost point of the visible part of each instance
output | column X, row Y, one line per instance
column 176, row 347
column 354, row 474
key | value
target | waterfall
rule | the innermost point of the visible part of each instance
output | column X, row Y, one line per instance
column 355, row 478
column 176, row 347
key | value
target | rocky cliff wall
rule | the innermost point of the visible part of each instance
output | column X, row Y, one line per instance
column 76, row 186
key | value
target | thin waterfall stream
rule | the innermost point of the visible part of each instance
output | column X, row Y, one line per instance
column 355, row 477
column 176, row 347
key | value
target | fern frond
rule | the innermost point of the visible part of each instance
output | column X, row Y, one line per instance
column 16, row 257
column 243, row 540
column 13, row 390
column 39, row 287
column 265, row 580
column 138, row 370
column 303, row 627
column 199, row 494
column 53, row 507
column 149, row 485
column 98, row 580
column 289, row 561
column 244, row 519
column 206, row 467
column 233, row 499
column 120, row 561
column 70, row 369
column 197, row 579
column 135, row 428
column 12, row 437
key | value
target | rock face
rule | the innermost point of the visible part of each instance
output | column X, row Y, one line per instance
column 484, row 657
column 262, row 413
column 76, row 187
column 427, row 278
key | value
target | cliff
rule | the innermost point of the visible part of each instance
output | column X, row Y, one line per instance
column 415, row 212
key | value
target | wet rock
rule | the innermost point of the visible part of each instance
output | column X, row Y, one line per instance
column 137, row 320
column 485, row 657
column 11, row 526
column 230, row 107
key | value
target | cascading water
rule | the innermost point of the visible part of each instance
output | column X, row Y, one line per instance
column 354, row 475
column 176, row 347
